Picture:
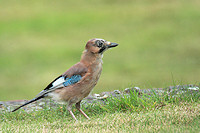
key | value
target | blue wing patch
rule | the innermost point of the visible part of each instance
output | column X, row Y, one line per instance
column 72, row 80
column 59, row 83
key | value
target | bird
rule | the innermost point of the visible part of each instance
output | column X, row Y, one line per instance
column 79, row 80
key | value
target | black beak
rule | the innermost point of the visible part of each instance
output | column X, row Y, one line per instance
column 107, row 46
column 111, row 45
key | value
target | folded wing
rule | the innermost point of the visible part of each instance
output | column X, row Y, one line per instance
column 70, row 77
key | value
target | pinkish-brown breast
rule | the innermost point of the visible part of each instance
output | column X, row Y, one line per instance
column 80, row 90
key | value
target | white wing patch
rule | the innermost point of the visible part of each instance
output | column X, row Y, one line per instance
column 58, row 83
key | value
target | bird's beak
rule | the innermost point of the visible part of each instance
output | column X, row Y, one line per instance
column 111, row 45
column 106, row 46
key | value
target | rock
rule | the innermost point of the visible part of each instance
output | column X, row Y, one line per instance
column 41, row 103
column 103, row 97
column 96, row 95
column 127, row 90
column 193, row 88
column 137, row 89
column 89, row 97
column 191, row 85
column 117, row 92
column 105, row 93
column 91, row 100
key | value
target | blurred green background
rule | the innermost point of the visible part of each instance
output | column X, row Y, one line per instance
column 40, row 39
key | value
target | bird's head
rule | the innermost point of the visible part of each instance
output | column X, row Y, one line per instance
column 98, row 46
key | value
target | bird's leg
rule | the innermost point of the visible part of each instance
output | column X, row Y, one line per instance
column 78, row 106
column 69, row 108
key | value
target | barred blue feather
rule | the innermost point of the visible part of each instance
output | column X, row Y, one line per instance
column 72, row 80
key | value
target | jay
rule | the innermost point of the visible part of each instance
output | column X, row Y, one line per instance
column 78, row 81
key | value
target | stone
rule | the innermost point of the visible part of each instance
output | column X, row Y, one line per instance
column 193, row 88
column 117, row 92
column 91, row 100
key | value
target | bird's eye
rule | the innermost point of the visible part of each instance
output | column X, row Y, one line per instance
column 99, row 43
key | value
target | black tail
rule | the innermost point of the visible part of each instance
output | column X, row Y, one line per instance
column 33, row 100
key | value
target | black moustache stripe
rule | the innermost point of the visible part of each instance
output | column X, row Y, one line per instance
column 102, row 49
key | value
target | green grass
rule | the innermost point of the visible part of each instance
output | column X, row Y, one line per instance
column 130, row 113
column 184, row 119
column 39, row 40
